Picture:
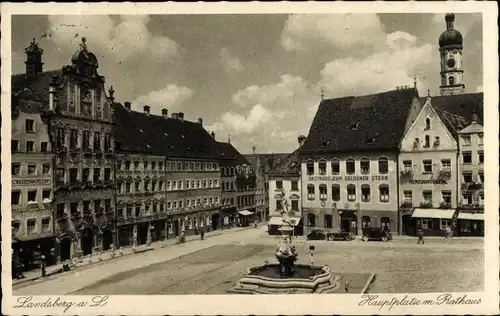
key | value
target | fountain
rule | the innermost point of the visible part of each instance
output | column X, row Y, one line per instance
column 287, row 276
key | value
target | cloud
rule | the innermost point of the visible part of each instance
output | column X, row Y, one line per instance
column 170, row 97
column 239, row 124
column 340, row 31
column 123, row 38
column 229, row 62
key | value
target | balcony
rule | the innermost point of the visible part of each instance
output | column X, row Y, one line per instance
column 75, row 151
column 474, row 208
column 407, row 173
column 407, row 204
column 472, row 186
column 445, row 205
column 426, row 205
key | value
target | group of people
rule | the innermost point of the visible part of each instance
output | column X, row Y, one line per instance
column 22, row 262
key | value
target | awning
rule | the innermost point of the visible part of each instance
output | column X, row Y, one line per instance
column 433, row 213
column 471, row 216
column 278, row 221
column 245, row 212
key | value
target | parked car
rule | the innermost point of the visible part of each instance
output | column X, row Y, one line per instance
column 316, row 235
column 373, row 233
column 347, row 236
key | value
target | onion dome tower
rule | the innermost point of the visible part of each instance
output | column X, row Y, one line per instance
column 450, row 48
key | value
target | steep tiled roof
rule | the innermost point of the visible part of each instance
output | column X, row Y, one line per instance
column 267, row 161
column 371, row 122
column 142, row 133
column 38, row 88
column 288, row 166
column 464, row 105
column 472, row 129
column 228, row 153
column 453, row 123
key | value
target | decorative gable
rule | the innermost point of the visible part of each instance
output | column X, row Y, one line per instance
column 428, row 133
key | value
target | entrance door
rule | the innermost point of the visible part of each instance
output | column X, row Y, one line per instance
column 176, row 227
column 107, row 239
column 65, row 249
column 409, row 225
column 345, row 225
column 215, row 221
column 87, row 241
column 311, row 220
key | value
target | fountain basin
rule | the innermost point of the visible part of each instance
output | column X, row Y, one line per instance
column 266, row 279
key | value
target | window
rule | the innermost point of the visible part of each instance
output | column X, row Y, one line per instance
column 310, row 167
column 407, row 165
column 426, row 224
column 295, row 205
column 44, row 147
column 427, row 142
column 30, row 126
column 15, row 197
column 335, row 192
column 311, row 220
column 31, row 226
column 481, row 176
column 160, row 166
column 128, row 187
column 279, row 184
column 335, row 166
column 30, row 146
column 216, row 183
column 187, row 184
column 383, row 165
column 365, row 165
column 107, row 174
column 427, row 123
column 407, row 196
column 467, row 198
column 73, row 175
column 322, row 192
column 97, row 141
column 446, row 196
column 85, row 174
column 481, row 198
column 350, row 166
column 384, row 193
column 385, row 222
column 445, row 223
column 427, row 166
column 60, row 210
column 466, row 157
column 14, row 145
column 310, row 192
column 97, row 174
column 466, row 140
column 46, row 224
column 451, row 80
column 60, row 175
column 437, row 141
column 127, row 165
column 204, row 183
column 60, row 137
column 328, row 221
column 480, row 139
column 295, row 185
column 279, row 205
column 73, row 138
column 31, row 170
column 467, row 175
column 322, row 167
column 16, row 169
column 481, row 156
column 365, row 193
column 427, row 196
column 365, row 221
column 86, row 139
column 446, row 164
column 351, row 192
column 153, row 165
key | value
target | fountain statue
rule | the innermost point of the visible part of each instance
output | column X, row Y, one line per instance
column 286, row 276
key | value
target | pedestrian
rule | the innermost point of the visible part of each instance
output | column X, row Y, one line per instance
column 43, row 265
column 346, row 286
column 202, row 233
column 420, row 235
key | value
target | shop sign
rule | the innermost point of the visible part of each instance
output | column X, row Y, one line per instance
column 184, row 193
column 348, row 178
column 438, row 181
column 31, row 182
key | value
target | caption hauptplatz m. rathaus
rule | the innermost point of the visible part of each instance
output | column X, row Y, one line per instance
column 90, row 173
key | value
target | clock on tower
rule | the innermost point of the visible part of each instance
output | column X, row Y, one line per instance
column 450, row 47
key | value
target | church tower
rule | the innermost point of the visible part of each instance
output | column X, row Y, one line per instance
column 450, row 48
column 34, row 64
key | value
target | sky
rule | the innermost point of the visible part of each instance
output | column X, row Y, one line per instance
column 254, row 79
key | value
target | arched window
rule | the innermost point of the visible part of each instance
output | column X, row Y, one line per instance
column 335, row 166
column 350, row 166
column 385, row 222
column 427, row 123
column 335, row 192
column 322, row 192
column 365, row 222
column 310, row 167
column 383, row 165
column 351, row 192
column 451, row 80
column 310, row 192
column 322, row 167
column 384, row 193
column 365, row 193
column 427, row 141
column 365, row 165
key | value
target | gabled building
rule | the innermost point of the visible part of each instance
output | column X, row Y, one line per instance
column 238, row 187
column 349, row 160
column 285, row 192
column 428, row 167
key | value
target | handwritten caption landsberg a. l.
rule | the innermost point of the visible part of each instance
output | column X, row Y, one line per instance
column 443, row 299
column 60, row 302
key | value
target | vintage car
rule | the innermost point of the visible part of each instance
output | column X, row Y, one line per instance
column 316, row 235
column 374, row 233
column 347, row 236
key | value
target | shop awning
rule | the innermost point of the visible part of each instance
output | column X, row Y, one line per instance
column 245, row 212
column 278, row 222
column 471, row 216
column 433, row 213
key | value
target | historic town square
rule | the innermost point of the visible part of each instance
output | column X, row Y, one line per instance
column 171, row 154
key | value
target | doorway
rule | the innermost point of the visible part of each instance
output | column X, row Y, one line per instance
column 107, row 239
column 65, row 249
column 215, row 221
column 87, row 241
column 175, row 223
column 311, row 220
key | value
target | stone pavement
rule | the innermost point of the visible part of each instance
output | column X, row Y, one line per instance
column 88, row 261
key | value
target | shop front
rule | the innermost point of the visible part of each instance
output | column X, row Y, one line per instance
column 434, row 222
column 245, row 218
column 408, row 223
column 470, row 224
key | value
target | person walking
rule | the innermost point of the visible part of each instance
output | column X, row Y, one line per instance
column 43, row 265
column 202, row 233
column 420, row 235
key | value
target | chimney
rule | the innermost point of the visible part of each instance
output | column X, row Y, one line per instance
column 175, row 115
column 200, row 121
column 301, row 140
column 181, row 116
column 213, row 134
column 52, row 92
column 127, row 106
column 164, row 112
column 147, row 108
